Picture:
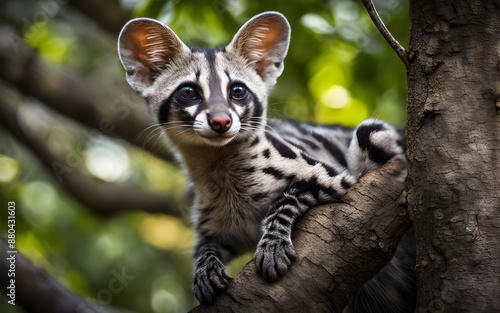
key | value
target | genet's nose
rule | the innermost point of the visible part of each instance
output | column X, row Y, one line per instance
column 220, row 122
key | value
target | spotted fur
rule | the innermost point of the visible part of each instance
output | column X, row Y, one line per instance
column 253, row 177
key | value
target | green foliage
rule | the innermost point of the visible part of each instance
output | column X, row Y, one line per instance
column 338, row 70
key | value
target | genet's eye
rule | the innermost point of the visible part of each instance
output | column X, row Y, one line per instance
column 188, row 93
column 238, row 92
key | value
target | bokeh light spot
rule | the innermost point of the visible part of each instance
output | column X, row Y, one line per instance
column 9, row 169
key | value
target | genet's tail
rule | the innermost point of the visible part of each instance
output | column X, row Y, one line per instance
column 393, row 289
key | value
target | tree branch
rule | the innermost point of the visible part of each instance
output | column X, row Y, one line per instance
column 100, row 197
column 109, row 15
column 111, row 111
column 38, row 292
column 339, row 247
column 401, row 52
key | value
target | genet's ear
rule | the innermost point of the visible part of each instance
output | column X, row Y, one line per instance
column 146, row 47
column 263, row 42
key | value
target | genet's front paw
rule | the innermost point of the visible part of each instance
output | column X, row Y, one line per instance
column 273, row 257
column 210, row 279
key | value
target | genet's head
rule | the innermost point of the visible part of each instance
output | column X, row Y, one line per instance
column 206, row 96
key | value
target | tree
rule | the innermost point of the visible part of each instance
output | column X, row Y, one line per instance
column 452, row 77
column 453, row 153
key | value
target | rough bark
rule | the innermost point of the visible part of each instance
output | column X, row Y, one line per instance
column 339, row 247
column 453, row 134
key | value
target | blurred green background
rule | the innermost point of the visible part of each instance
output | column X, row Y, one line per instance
column 338, row 70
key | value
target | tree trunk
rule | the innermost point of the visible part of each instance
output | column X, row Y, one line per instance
column 453, row 132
